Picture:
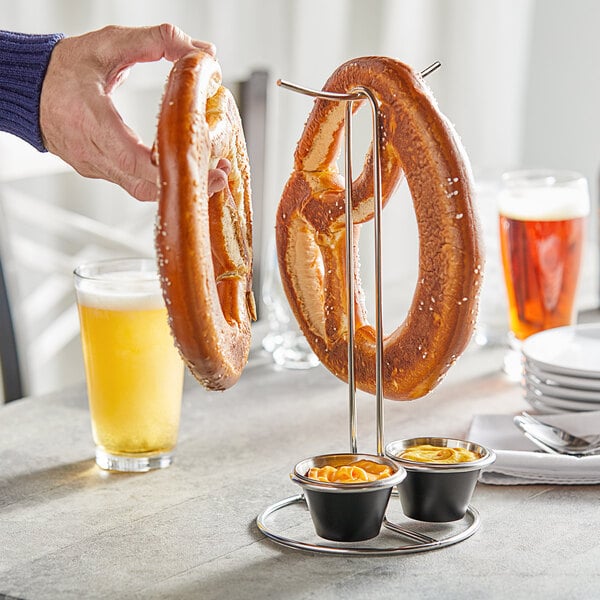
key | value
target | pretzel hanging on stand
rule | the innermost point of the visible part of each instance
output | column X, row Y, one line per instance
column 415, row 139
column 204, row 245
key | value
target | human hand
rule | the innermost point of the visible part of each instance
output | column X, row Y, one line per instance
column 78, row 119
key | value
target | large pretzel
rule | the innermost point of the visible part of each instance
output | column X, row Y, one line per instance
column 417, row 139
column 204, row 245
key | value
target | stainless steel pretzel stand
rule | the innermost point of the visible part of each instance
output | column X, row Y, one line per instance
column 422, row 536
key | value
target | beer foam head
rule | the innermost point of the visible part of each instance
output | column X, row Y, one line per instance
column 529, row 203
column 121, row 290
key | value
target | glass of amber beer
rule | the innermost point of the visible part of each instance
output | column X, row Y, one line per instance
column 134, row 373
column 542, row 229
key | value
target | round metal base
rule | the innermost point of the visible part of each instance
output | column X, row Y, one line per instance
column 385, row 544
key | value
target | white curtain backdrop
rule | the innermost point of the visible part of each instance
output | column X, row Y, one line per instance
column 519, row 81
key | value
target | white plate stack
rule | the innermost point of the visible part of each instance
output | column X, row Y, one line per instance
column 561, row 369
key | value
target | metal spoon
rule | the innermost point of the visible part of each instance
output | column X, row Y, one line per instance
column 555, row 438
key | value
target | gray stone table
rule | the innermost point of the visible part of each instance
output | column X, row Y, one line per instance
column 69, row 530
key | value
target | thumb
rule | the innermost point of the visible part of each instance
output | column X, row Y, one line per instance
column 148, row 44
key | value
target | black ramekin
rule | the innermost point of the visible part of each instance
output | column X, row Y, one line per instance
column 346, row 512
column 438, row 492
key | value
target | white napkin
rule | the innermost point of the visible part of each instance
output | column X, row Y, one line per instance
column 519, row 461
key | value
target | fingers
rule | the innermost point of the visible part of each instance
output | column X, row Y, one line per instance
column 217, row 181
column 217, row 177
column 137, row 175
column 224, row 165
column 147, row 191
column 135, row 171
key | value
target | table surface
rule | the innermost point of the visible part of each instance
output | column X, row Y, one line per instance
column 70, row 530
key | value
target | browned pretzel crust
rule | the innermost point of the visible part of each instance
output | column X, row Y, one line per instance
column 204, row 246
column 415, row 139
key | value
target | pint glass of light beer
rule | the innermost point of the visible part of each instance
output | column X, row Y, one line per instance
column 542, row 229
column 134, row 373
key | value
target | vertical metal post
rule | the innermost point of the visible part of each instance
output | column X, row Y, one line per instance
column 350, row 276
column 378, row 265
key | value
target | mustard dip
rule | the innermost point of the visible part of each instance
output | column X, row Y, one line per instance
column 439, row 454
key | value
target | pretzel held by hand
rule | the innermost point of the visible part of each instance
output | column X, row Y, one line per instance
column 204, row 245
column 415, row 139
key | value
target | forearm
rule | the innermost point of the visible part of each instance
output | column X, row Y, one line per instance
column 23, row 62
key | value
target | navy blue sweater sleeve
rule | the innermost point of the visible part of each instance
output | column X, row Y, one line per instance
column 23, row 62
